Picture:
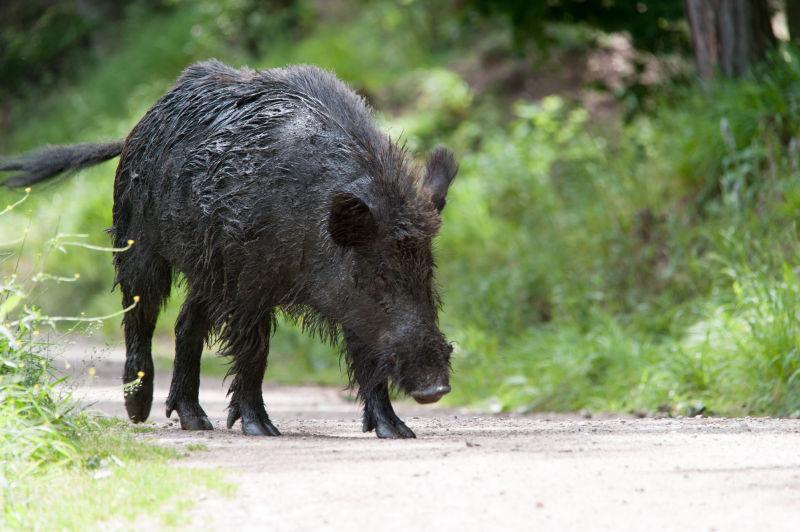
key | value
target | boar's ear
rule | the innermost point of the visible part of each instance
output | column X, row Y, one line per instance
column 351, row 221
column 440, row 169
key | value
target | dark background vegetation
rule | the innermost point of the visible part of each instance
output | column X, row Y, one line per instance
column 622, row 235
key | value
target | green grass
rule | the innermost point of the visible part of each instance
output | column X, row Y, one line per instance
column 644, row 264
column 123, row 482
column 63, row 469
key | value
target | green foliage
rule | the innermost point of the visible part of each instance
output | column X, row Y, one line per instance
column 668, row 272
column 645, row 264
column 38, row 32
column 37, row 423
column 735, row 130
column 655, row 26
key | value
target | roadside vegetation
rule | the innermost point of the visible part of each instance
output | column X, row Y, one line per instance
column 57, row 460
column 640, row 255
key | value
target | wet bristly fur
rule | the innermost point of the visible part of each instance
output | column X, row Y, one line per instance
column 271, row 191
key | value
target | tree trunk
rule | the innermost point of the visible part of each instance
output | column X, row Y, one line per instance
column 793, row 19
column 729, row 36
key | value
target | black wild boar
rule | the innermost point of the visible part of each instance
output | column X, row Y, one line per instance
column 271, row 191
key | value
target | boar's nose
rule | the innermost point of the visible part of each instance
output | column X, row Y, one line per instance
column 431, row 394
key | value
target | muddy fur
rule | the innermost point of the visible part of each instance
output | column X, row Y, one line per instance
column 272, row 191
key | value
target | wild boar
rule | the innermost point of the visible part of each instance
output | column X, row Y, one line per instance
column 271, row 191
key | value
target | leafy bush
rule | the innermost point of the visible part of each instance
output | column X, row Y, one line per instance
column 666, row 256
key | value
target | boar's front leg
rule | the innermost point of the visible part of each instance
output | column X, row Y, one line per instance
column 249, row 347
column 379, row 415
column 378, row 412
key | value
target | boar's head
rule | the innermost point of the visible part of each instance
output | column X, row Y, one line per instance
column 385, row 226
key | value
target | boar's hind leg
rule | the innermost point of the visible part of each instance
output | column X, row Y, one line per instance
column 191, row 331
column 249, row 348
column 378, row 412
column 144, row 288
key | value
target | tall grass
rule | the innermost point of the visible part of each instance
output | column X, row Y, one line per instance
column 37, row 422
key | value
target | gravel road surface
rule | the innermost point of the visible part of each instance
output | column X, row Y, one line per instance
column 468, row 471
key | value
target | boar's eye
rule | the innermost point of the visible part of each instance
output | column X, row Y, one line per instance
column 351, row 222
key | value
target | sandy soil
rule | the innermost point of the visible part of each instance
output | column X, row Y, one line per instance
column 476, row 472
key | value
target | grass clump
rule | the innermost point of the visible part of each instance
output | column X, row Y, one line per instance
column 37, row 424
column 118, row 481
column 65, row 469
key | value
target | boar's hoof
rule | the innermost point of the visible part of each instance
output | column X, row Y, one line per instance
column 191, row 415
column 139, row 400
column 253, row 423
column 196, row 423
column 386, row 429
column 399, row 431
column 258, row 427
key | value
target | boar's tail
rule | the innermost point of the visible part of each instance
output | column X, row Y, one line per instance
column 45, row 163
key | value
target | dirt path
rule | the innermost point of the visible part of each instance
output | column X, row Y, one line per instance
column 477, row 472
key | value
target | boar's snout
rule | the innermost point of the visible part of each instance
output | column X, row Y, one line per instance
column 430, row 394
column 422, row 364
